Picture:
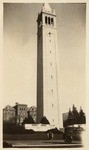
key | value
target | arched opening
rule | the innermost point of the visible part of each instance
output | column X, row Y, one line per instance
column 46, row 19
column 52, row 21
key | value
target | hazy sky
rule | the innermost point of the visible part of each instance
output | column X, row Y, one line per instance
column 20, row 53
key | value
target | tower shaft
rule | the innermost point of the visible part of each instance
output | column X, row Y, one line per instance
column 47, row 79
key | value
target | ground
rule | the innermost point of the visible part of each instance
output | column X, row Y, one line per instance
column 43, row 143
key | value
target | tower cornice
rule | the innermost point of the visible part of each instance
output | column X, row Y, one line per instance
column 48, row 13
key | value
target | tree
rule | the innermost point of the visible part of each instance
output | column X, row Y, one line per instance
column 69, row 120
column 44, row 120
column 75, row 115
column 82, row 118
column 70, row 117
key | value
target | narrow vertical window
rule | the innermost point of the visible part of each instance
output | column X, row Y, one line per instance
column 46, row 20
column 51, row 64
column 52, row 21
column 51, row 76
column 52, row 90
column 52, row 105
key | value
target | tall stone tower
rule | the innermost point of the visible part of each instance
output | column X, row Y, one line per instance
column 47, row 79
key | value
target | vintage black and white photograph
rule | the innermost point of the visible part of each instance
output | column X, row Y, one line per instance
column 44, row 63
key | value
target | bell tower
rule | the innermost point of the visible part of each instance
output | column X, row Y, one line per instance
column 47, row 79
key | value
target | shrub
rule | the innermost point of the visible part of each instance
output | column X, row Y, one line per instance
column 44, row 120
column 28, row 120
column 55, row 131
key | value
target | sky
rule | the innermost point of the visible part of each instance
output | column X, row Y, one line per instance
column 20, row 53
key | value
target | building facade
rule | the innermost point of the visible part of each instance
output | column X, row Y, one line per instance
column 47, row 73
column 20, row 112
column 8, row 114
column 65, row 117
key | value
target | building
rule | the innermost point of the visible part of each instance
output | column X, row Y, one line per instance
column 8, row 114
column 47, row 61
column 65, row 116
column 20, row 112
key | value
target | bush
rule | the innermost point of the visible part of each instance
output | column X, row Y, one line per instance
column 31, row 131
column 28, row 120
column 8, row 128
column 44, row 120
column 55, row 131
column 17, row 129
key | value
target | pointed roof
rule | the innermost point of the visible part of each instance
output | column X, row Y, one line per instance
column 8, row 107
column 47, row 7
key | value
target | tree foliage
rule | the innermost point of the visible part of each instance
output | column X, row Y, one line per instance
column 82, row 117
column 44, row 120
column 75, row 117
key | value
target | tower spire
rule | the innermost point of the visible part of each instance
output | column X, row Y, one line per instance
column 46, row 7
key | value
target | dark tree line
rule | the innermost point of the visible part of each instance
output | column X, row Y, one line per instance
column 30, row 120
column 75, row 117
